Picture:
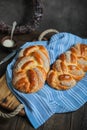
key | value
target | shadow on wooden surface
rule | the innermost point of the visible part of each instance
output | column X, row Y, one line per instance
column 68, row 121
column 64, row 16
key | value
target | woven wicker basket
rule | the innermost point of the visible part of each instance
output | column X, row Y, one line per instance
column 27, row 14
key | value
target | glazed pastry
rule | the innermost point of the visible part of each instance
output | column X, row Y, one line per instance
column 80, row 50
column 69, row 68
column 31, row 68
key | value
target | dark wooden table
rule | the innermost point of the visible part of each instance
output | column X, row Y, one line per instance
column 65, row 16
column 68, row 121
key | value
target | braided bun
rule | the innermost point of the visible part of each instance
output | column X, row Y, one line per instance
column 31, row 68
column 69, row 68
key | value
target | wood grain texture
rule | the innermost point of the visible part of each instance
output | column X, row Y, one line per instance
column 7, row 99
column 77, row 118
column 68, row 121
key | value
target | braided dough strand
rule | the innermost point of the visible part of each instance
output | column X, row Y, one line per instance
column 31, row 68
column 69, row 68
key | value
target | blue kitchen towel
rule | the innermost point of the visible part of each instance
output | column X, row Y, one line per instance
column 40, row 106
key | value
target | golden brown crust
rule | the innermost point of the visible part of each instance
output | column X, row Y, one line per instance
column 69, row 68
column 31, row 68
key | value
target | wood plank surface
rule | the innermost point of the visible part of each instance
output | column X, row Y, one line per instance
column 68, row 121
column 77, row 119
column 66, row 20
column 84, row 120
column 7, row 99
